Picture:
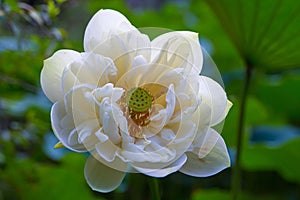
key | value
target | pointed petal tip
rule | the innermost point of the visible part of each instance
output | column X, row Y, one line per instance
column 59, row 145
column 191, row 34
column 229, row 104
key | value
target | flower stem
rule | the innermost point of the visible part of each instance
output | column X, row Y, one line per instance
column 154, row 187
column 236, row 179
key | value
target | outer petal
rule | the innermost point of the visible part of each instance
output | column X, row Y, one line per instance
column 100, row 177
column 51, row 74
column 204, row 142
column 64, row 129
column 175, row 166
column 215, row 161
column 109, row 33
column 228, row 106
column 178, row 49
column 214, row 101
column 102, row 25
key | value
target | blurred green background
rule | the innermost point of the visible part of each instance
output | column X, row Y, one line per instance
column 263, row 35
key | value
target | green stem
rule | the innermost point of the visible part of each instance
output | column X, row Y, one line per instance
column 236, row 179
column 154, row 187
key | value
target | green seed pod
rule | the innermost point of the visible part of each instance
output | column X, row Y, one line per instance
column 138, row 100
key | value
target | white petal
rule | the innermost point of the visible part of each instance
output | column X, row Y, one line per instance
column 51, row 74
column 123, row 48
column 171, row 101
column 139, row 60
column 105, row 148
column 187, row 84
column 160, row 119
column 64, row 130
column 134, row 154
column 175, row 166
column 108, row 90
column 178, row 49
column 142, row 75
column 86, row 133
column 214, row 100
column 185, row 135
column 215, row 161
column 161, row 157
column 109, row 33
column 100, row 177
column 91, row 69
column 110, row 128
column 80, row 104
column 167, row 134
column 204, row 142
column 102, row 25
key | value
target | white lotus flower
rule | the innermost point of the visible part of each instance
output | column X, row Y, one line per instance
column 136, row 105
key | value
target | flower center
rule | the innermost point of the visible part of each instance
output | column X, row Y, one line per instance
column 139, row 102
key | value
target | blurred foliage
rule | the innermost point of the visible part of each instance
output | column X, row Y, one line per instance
column 236, row 33
column 261, row 157
column 31, row 180
column 264, row 32
column 225, row 195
